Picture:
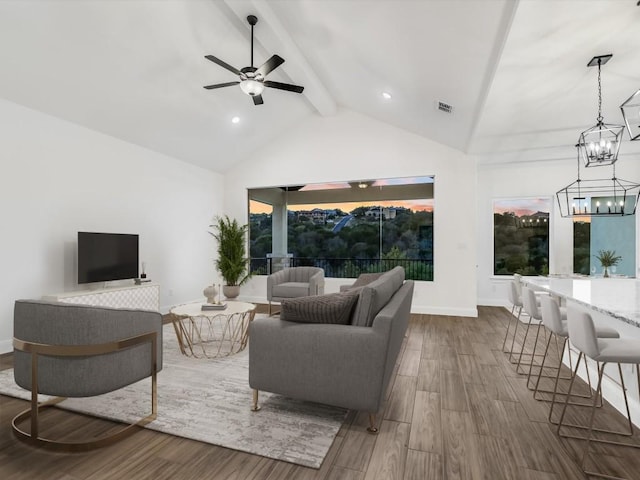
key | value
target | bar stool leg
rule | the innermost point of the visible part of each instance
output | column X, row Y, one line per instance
column 591, row 419
column 626, row 399
column 524, row 341
column 598, row 394
column 513, row 340
column 555, row 386
column 536, row 389
column 566, row 401
column 544, row 359
column 506, row 335
column 533, row 354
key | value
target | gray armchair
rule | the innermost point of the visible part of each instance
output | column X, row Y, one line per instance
column 294, row 282
column 68, row 350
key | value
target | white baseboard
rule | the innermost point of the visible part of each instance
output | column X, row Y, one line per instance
column 447, row 311
column 6, row 346
column 493, row 302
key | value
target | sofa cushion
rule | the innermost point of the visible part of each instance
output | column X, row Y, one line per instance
column 290, row 290
column 375, row 295
column 366, row 279
column 330, row 308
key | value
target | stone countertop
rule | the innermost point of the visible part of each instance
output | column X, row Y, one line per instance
column 617, row 297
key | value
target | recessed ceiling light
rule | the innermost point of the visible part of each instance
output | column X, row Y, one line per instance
column 235, row 120
column 386, row 95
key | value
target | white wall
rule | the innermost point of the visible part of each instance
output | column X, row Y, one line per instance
column 532, row 179
column 350, row 146
column 57, row 178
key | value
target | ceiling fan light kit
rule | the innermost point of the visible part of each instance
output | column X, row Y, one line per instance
column 252, row 80
column 252, row 87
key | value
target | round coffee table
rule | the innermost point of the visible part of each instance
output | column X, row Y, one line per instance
column 217, row 333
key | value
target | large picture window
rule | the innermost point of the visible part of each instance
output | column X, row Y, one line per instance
column 347, row 228
column 521, row 236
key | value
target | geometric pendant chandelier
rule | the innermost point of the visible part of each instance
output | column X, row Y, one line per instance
column 631, row 113
column 599, row 144
column 604, row 197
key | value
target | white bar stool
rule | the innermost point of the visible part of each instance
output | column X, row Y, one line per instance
column 531, row 304
column 582, row 333
column 557, row 327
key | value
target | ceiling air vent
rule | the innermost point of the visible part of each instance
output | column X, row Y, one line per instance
column 444, row 107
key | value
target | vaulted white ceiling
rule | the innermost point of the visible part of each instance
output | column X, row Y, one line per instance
column 514, row 72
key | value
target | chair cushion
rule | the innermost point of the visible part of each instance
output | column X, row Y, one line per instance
column 375, row 295
column 330, row 308
column 291, row 290
column 619, row 350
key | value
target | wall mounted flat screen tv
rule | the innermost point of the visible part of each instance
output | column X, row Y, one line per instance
column 107, row 256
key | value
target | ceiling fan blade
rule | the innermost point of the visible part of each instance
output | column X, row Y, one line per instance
column 222, row 64
column 220, row 85
column 257, row 99
column 283, row 86
column 270, row 65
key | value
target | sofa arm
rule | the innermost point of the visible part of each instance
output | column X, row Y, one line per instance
column 341, row 365
column 316, row 283
column 346, row 288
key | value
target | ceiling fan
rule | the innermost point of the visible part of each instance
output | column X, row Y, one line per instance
column 252, row 80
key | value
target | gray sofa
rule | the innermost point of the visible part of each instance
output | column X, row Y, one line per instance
column 82, row 351
column 342, row 365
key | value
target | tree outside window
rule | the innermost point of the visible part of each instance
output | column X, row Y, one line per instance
column 347, row 228
column 521, row 236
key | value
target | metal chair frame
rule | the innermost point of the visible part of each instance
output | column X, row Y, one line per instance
column 33, row 436
column 590, row 428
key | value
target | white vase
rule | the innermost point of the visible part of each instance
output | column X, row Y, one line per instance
column 210, row 292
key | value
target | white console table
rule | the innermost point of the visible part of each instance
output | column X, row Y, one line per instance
column 145, row 297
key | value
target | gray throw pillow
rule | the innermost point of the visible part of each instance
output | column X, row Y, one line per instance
column 331, row 308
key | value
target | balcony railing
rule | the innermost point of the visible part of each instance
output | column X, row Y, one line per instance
column 348, row 267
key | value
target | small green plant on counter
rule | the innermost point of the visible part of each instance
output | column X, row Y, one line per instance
column 608, row 258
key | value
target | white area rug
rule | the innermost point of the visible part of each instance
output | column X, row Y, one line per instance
column 209, row 400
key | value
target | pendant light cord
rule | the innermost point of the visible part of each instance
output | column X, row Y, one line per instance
column 599, row 93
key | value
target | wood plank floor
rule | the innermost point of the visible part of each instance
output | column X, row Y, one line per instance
column 456, row 409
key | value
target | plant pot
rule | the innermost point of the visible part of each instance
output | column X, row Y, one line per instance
column 231, row 291
column 606, row 272
column 210, row 292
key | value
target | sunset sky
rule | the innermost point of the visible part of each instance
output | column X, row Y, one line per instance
column 419, row 205
column 415, row 205
column 521, row 207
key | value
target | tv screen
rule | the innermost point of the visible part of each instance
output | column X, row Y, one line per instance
column 107, row 256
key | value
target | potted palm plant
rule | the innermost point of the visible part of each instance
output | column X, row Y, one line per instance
column 232, row 262
column 608, row 258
